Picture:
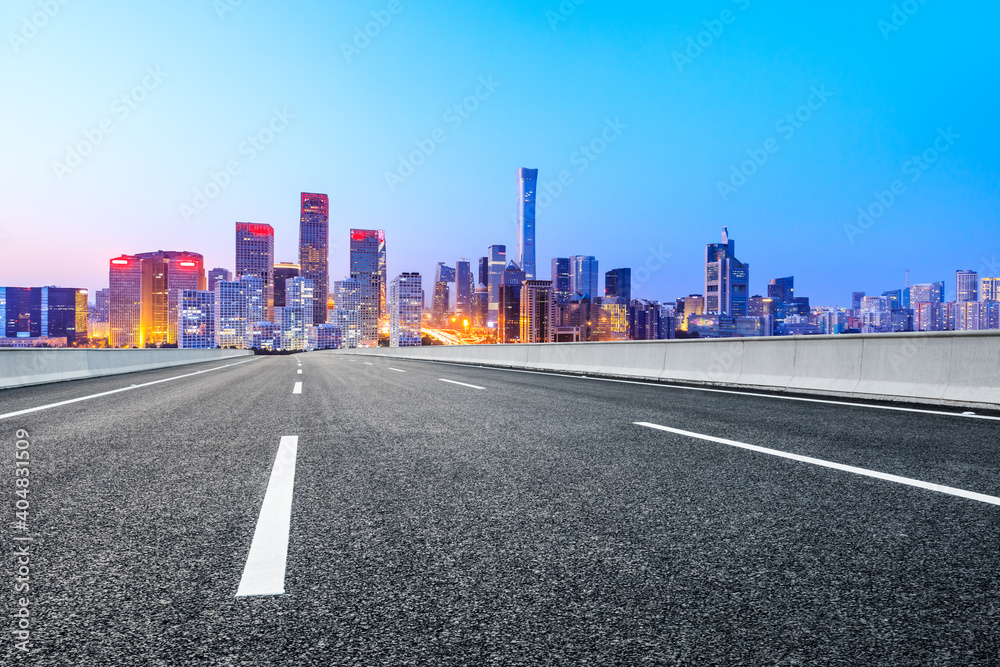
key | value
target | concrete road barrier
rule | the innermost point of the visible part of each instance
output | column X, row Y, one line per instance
column 960, row 368
column 21, row 367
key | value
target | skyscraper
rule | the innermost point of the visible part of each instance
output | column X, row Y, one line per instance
column 441, row 304
column 196, row 329
column 255, row 257
column 368, row 267
column 346, row 310
column 990, row 289
column 314, row 249
column 284, row 271
column 44, row 312
column 527, row 181
column 618, row 284
column 498, row 262
column 164, row 275
column 509, row 325
column 125, row 302
column 966, row 286
column 782, row 289
column 726, row 279
column 484, row 271
column 561, row 280
column 405, row 310
column 233, row 320
column 583, row 273
column 856, row 300
column 217, row 274
column 464, row 289
column 927, row 293
column 537, row 312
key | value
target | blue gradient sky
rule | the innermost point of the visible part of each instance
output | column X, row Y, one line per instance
column 654, row 187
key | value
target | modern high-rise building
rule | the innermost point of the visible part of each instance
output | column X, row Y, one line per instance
column 484, row 271
column 314, row 249
column 255, row 257
column 509, row 324
column 232, row 319
column 856, row 300
column 368, row 267
column 125, row 301
column 527, row 182
column 927, row 293
column 405, row 310
column 217, row 274
column 537, row 312
column 44, row 312
column 481, row 306
column 197, row 319
column 583, row 276
column 441, row 304
column 618, row 284
column 726, row 279
column 561, row 280
column 497, row 255
column 164, row 275
column 966, row 286
column 464, row 289
column 346, row 313
column 990, row 289
column 283, row 271
column 782, row 289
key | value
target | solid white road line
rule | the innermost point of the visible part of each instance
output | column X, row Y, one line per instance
column 298, row 388
column 299, row 371
column 264, row 572
column 116, row 391
column 397, row 370
column 993, row 500
column 736, row 392
column 462, row 384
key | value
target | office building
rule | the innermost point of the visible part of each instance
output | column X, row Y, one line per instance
column 255, row 257
column 56, row 314
column 238, row 307
column 856, row 301
column 561, row 280
column 618, row 284
column 927, row 293
column 196, row 310
column 314, row 249
column 483, row 277
column 441, row 305
column 283, row 271
column 164, row 275
column 368, row 267
column 481, row 307
column 726, row 279
column 990, row 289
column 782, row 289
column 527, row 182
column 217, row 274
column 509, row 323
column 405, row 310
column 125, row 302
column 537, row 316
column 464, row 289
column 324, row 337
column 966, row 286
column 583, row 276
column 497, row 255
column 346, row 314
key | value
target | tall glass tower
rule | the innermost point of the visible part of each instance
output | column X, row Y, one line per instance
column 255, row 257
column 368, row 268
column 314, row 250
column 527, row 181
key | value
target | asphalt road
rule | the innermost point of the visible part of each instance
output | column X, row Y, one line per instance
column 531, row 521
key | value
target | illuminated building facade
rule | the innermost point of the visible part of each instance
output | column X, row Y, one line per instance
column 125, row 302
column 405, row 310
column 509, row 324
column 726, row 279
column 464, row 289
column 966, row 286
column 527, row 182
column 368, row 267
column 238, row 307
column 537, row 317
column 255, row 257
column 324, row 337
column 347, row 309
column 197, row 319
column 990, row 289
column 497, row 257
column 44, row 313
column 314, row 249
column 163, row 275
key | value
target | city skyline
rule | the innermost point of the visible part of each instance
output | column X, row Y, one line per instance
column 807, row 121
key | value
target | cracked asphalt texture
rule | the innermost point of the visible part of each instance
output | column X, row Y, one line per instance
column 529, row 523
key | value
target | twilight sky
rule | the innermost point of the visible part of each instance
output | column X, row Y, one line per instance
column 648, row 128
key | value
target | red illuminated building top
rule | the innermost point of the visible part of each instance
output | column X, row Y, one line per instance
column 362, row 234
column 315, row 204
column 258, row 230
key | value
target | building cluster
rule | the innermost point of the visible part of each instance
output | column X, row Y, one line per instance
column 165, row 299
